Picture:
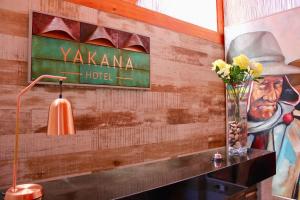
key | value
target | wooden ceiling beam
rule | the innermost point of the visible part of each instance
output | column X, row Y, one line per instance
column 220, row 16
column 131, row 1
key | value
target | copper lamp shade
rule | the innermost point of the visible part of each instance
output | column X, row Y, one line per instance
column 60, row 120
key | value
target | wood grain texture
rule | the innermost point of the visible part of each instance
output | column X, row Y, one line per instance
column 47, row 166
column 13, row 72
column 220, row 16
column 20, row 7
column 184, row 112
column 131, row 1
column 13, row 47
column 13, row 23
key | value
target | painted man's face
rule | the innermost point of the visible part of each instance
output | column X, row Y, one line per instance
column 264, row 97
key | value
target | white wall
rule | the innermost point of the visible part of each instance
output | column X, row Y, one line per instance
column 240, row 11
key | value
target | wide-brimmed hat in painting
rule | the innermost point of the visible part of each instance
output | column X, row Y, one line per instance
column 261, row 46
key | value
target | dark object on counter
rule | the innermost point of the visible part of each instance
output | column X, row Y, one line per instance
column 217, row 157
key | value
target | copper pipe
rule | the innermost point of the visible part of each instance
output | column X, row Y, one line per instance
column 16, row 150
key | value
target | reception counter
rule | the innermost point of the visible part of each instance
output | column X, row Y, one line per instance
column 188, row 177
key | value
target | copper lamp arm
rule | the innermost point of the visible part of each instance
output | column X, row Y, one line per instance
column 16, row 149
column 61, row 78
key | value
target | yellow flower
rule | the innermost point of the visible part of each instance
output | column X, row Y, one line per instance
column 218, row 63
column 242, row 61
column 256, row 68
column 225, row 71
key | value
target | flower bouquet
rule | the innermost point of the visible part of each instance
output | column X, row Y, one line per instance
column 237, row 77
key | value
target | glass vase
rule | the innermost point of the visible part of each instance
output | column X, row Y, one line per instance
column 237, row 119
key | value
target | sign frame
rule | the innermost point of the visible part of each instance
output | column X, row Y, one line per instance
column 29, row 73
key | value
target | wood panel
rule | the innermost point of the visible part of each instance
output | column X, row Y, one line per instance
column 131, row 1
column 220, row 17
column 103, row 139
column 20, row 7
column 13, row 47
column 13, row 72
column 14, row 24
column 183, row 113
column 43, row 167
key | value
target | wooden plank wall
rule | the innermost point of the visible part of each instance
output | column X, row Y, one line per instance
column 181, row 114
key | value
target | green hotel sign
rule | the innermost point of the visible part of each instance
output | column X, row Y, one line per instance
column 100, row 56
